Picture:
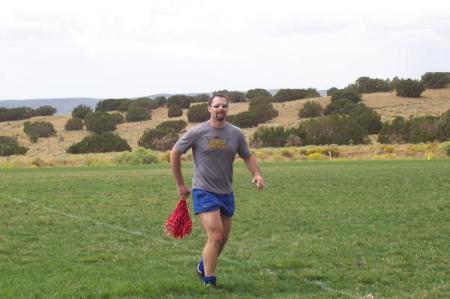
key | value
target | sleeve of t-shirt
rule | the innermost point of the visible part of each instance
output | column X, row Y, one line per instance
column 243, row 150
column 186, row 141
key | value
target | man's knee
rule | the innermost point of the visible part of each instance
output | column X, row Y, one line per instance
column 218, row 236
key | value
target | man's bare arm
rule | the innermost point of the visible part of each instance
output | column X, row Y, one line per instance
column 175, row 162
column 252, row 166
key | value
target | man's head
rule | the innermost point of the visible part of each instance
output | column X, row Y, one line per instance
column 218, row 107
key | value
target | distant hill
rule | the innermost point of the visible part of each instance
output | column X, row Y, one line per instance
column 63, row 106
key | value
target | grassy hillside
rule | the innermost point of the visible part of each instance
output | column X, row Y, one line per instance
column 388, row 105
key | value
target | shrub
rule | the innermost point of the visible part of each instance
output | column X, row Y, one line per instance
column 198, row 113
column 19, row 113
column 160, row 101
column 44, row 111
column 172, row 125
column 346, row 94
column 331, row 130
column 200, row 98
column 235, row 96
column 413, row 130
column 310, row 109
column 99, row 143
column 80, row 111
column 74, row 124
column 160, row 139
column 284, row 95
column 136, row 157
column 38, row 129
column 369, row 85
column 331, row 91
column 179, row 100
column 137, row 112
column 257, row 92
column 100, row 122
column 260, row 110
column 174, row 111
column 339, row 107
column 270, row 137
column 409, row 88
column 124, row 105
column 117, row 118
column 110, row 104
column 10, row 146
column 366, row 117
column 435, row 80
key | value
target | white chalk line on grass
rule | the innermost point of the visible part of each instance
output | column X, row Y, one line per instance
column 141, row 234
column 88, row 219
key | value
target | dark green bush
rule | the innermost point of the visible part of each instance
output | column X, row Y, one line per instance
column 160, row 139
column 137, row 112
column 257, row 92
column 339, row 107
column 172, row 125
column 174, row 111
column 270, row 137
column 100, row 122
column 284, row 95
column 331, row 91
column 415, row 130
column 99, row 143
column 346, row 94
column 235, row 96
column 331, row 130
column 310, row 109
column 260, row 110
column 200, row 98
column 38, row 129
column 124, row 105
column 117, row 118
column 44, row 111
column 198, row 113
column 145, row 103
column 160, row 101
column 74, row 124
column 80, row 111
column 8, row 114
column 370, row 85
column 110, row 104
column 436, row 80
column 409, row 88
column 10, row 146
column 179, row 100
column 366, row 117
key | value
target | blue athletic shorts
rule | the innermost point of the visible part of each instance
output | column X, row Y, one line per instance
column 205, row 201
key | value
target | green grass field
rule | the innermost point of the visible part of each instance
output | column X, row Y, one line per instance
column 319, row 230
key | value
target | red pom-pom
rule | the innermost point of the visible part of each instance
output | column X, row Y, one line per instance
column 179, row 223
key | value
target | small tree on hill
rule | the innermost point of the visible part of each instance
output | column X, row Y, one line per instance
column 137, row 112
column 44, row 111
column 80, row 111
column 74, row 124
column 38, row 129
column 257, row 92
column 198, row 113
column 174, row 111
column 346, row 94
column 310, row 109
column 409, row 88
column 99, row 143
column 9, row 146
column 436, row 80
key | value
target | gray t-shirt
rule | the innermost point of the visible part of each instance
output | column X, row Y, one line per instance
column 214, row 150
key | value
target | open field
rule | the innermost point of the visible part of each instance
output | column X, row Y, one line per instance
column 330, row 229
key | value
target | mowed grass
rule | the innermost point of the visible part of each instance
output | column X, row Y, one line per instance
column 319, row 230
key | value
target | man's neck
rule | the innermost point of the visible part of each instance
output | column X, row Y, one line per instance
column 216, row 123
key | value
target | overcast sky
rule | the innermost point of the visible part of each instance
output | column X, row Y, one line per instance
column 101, row 49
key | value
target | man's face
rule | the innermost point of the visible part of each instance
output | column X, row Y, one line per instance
column 218, row 108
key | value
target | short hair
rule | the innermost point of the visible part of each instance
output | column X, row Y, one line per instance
column 219, row 95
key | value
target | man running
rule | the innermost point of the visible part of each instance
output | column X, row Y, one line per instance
column 214, row 146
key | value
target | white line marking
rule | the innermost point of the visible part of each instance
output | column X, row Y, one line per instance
column 141, row 234
column 84, row 218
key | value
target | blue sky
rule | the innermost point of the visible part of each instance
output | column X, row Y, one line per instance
column 101, row 49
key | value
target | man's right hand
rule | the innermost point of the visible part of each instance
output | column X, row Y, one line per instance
column 184, row 191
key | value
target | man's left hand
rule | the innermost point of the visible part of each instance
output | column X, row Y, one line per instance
column 258, row 181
